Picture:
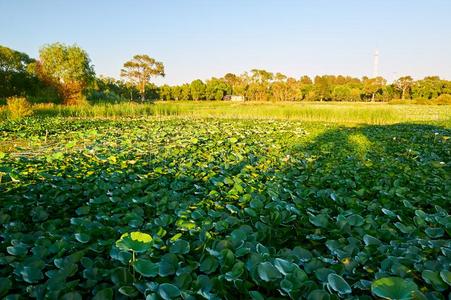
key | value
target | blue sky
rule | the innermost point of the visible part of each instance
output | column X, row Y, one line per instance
column 200, row 39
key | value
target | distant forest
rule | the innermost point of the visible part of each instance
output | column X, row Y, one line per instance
column 64, row 74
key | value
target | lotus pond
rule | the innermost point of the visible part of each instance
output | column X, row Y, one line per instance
column 223, row 209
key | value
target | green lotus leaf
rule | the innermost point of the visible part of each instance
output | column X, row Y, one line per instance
column 355, row 220
column 323, row 273
column 105, row 294
column 146, row 267
column 446, row 276
column 31, row 274
column 250, row 212
column 337, row 283
column 209, row 264
column 284, row 266
column 19, row 249
column 5, row 286
column 286, row 285
column 168, row 291
column 82, row 237
column 168, row 265
column 318, row 295
column 267, row 272
column 388, row 212
column 395, row 288
column 121, row 276
column 434, row 232
column 180, row 247
column 236, row 272
column 320, row 220
column 71, row 296
column 302, row 254
column 135, row 241
column 255, row 295
column 128, row 291
column 371, row 240
column 433, row 278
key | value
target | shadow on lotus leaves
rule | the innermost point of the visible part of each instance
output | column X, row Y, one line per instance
column 361, row 202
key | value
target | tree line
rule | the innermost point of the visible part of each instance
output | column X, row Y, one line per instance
column 64, row 74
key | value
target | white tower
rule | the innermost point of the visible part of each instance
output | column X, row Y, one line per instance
column 376, row 64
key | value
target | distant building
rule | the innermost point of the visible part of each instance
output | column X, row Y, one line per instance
column 237, row 98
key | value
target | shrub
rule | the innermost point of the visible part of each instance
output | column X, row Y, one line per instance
column 443, row 99
column 18, row 107
column 399, row 101
column 422, row 101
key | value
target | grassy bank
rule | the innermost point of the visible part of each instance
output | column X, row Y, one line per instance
column 350, row 113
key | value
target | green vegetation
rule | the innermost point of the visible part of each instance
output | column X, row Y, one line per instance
column 349, row 113
column 139, row 70
column 66, row 68
column 65, row 74
column 18, row 107
column 303, row 191
column 166, row 208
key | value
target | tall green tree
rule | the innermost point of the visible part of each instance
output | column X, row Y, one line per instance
column 198, row 88
column 372, row 86
column 279, row 88
column 404, row 84
column 216, row 89
column 140, row 69
column 322, row 88
column 68, row 68
column 14, row 77
column 428, row 88
column 165, row 92
column 13, row 61
column 259, row 88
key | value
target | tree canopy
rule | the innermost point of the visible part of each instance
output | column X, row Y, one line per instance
column 65, row 72
column 140, row 69
column 68, row 68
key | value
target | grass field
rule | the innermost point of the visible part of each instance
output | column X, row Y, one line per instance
column 226, row 201
column 350, row 113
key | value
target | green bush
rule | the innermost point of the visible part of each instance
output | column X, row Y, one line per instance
column 443, row 99
column 422, row 101
column 18, row 107
column 400, row 101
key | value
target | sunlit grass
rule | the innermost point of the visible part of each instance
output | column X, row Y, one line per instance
column 352, row 113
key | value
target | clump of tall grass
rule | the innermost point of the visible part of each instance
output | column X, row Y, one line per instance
column 105, row 110
column 18, row 107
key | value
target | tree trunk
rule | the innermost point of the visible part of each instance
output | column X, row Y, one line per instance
column 403, row 93
column 372, row 97
column 143, row 91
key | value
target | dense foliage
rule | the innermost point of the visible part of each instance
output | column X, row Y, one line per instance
column 67, row 70
column 18, row 78
column 139, row 70
column 260, row 85
column 212, row 209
